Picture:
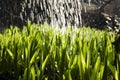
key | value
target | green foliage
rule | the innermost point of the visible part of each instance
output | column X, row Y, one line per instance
column 52, row 53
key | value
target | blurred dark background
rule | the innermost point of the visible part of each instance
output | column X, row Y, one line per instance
column 57, row 13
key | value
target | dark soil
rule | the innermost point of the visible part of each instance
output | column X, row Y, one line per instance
column 7, row 77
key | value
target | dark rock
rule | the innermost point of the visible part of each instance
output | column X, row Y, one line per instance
column 94, row 20
column 98, row 19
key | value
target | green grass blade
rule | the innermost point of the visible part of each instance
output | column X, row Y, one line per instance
column 95, row 71
column 10, row 54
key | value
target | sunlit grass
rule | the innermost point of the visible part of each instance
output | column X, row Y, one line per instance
column 41, row 52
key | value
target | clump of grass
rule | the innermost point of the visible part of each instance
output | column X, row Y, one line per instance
column 41, row 52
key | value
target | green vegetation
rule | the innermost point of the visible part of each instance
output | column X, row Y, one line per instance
column 50, row 53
